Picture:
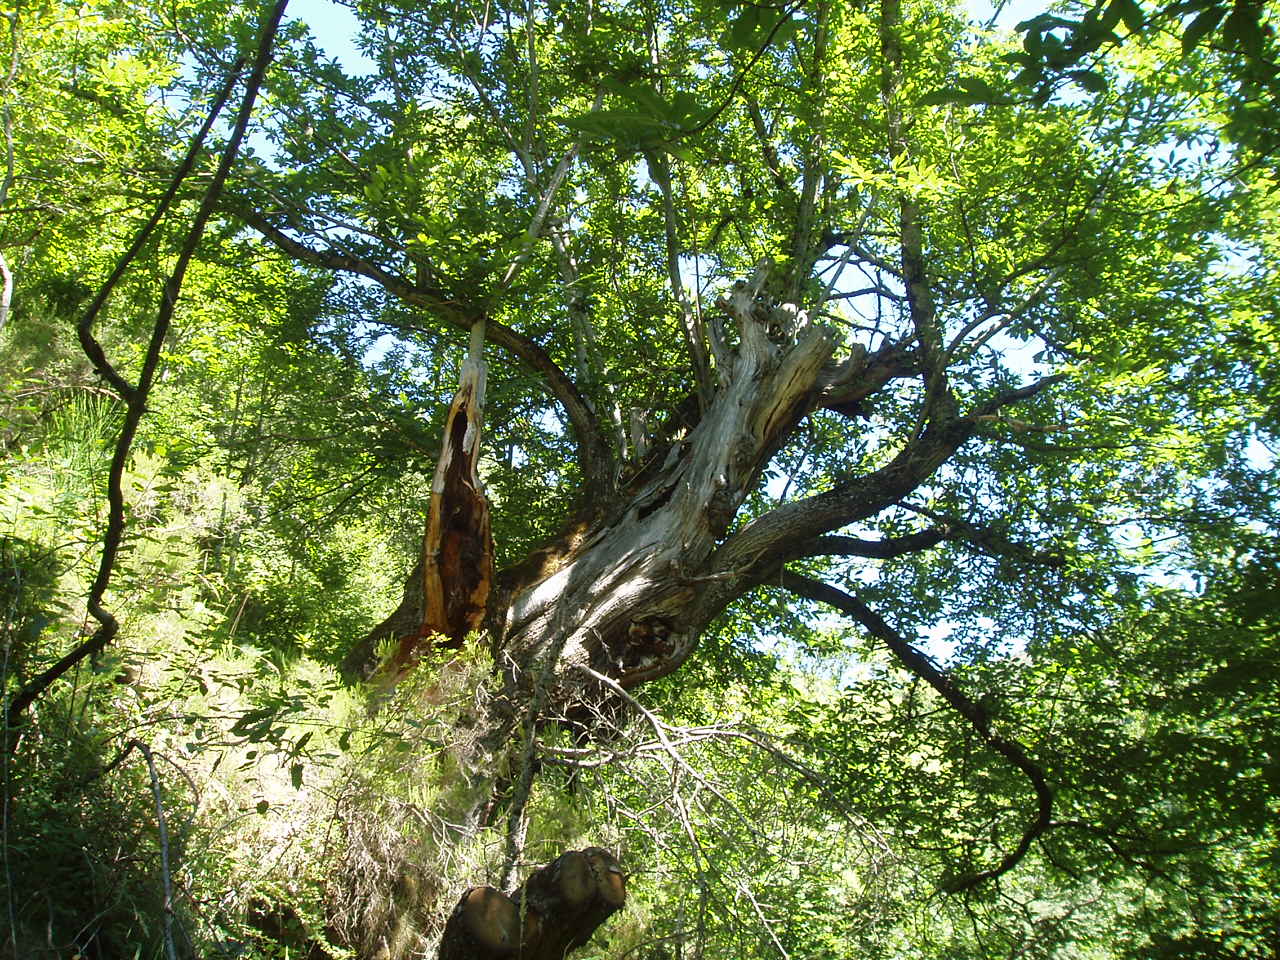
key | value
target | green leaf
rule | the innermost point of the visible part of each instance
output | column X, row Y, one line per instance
column 263, row 806
column 1092, row 81
column 628, row 127
column 1243, row 31
column 946, row 95
column 648, row 99
column 786, row 32
column 295, row 775
column 302, row 742
column 979, row 88
column 250, row 719
column 1201, row 27
column 1130, row 12
column 970, row 90
column 741, row 34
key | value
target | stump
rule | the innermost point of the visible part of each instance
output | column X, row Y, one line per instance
column 556, row 911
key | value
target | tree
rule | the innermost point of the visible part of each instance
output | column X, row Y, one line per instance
column 741, row 324
column 786, row 314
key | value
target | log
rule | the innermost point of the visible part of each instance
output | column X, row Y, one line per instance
column 557, row 910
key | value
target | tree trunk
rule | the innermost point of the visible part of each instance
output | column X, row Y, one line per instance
column 629, row 586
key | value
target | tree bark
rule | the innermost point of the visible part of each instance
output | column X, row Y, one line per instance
column 556, row 911
column 626, row 591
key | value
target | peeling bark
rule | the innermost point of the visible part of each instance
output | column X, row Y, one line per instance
column 633, row 581
column 634, row 578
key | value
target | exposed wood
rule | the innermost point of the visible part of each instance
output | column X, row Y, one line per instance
column 457, row 549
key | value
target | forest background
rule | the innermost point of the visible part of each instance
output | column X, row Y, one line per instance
column 875, row 413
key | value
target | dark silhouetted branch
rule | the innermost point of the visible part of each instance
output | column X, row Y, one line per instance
column 135, row 397
column 924, row 668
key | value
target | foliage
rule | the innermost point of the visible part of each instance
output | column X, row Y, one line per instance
column 1100, row 587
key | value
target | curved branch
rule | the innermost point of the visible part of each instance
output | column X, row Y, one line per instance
column 754, row 552
column 922, row 667
column 136, row 396
column 594, row 456
column 93, row 350
column 742, row 75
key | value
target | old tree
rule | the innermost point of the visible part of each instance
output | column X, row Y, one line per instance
column 775, row 335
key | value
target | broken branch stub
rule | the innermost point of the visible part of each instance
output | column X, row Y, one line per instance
column 457, row 550
column 557, row 910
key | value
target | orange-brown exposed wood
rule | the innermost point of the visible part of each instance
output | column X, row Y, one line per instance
column 457, row 550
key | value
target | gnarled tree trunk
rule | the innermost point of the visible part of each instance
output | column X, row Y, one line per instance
column 637, row 575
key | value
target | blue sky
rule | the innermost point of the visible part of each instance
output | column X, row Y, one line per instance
column 334, row 26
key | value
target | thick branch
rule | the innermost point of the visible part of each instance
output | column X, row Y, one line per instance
column 755, row 550
column 751, row 555
column 594, row 455
column 922, row 667
column 846, row 394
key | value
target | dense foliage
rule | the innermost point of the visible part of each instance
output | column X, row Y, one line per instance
column 1060, row 287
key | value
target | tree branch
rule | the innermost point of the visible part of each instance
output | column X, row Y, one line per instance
column 921, row 666
column 594, row 456
column 753, row 553
column 691, row 325
column 989, row 541
column 750, row 556
column 93, row 350
column 136, row 397
column 885, row 549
